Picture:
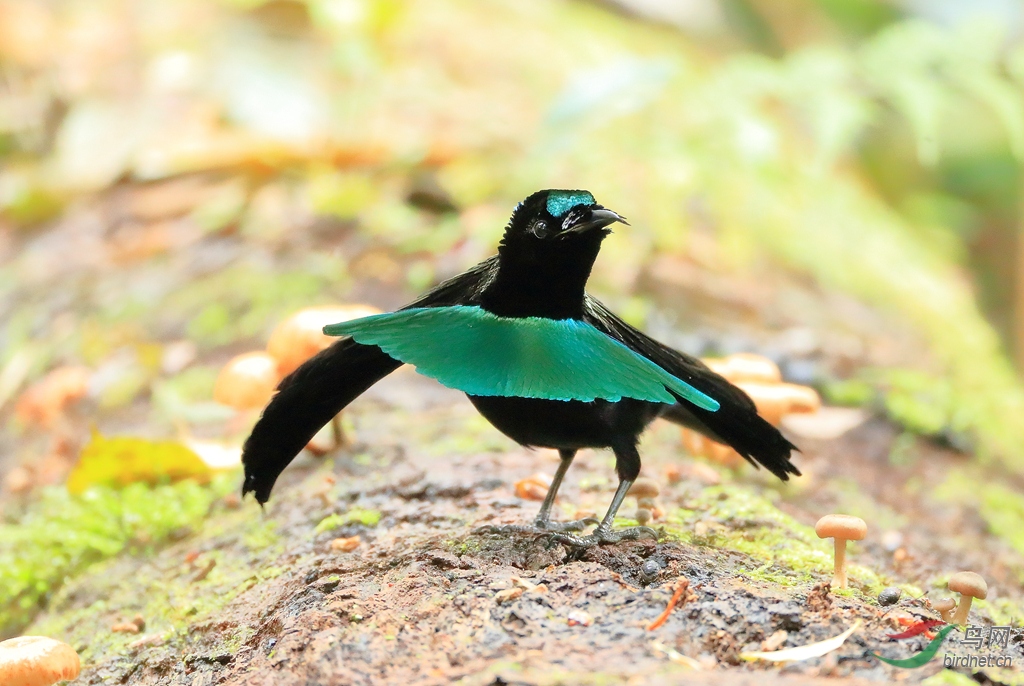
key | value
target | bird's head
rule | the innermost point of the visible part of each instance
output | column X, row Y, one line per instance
column 559, row 218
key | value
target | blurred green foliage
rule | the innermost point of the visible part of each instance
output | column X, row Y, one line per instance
column 60, row 535
column 875, row 153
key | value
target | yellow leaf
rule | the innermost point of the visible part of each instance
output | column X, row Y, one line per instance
column 118, row 462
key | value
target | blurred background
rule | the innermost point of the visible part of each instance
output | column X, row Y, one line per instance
column 835, row 184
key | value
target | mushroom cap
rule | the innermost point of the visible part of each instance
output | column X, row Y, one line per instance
column 847, row 527
column 746, row 367
column 775, row 400
column 247, row 381
column 36, row 661
column 968, row 583
column 300, row 336
column 943, row 604
column 645, row 488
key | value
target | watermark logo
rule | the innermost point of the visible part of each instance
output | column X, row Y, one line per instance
column 998, row 637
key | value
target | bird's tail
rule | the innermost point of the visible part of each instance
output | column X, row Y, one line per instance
column 737, row 424
column 305, row 401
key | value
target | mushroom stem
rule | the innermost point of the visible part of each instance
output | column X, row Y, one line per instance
column 337, row 432
column 962, row 609
column 839, row 578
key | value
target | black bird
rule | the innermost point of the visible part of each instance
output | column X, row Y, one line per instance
column 586, row 380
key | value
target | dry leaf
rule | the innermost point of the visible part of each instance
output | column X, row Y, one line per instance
column 675, row 656
column 805, row 652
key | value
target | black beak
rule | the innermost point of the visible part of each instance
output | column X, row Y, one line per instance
column 594, row 219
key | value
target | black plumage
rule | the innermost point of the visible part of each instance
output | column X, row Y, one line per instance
column 541, row 270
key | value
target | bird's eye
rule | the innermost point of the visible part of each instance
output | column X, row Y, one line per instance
column 540, row 229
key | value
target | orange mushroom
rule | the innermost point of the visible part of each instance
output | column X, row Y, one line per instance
column 247, row 381
column 36, row 661
column 776, row 400
column 301, row 335
column 759, row 378
column 745, row 367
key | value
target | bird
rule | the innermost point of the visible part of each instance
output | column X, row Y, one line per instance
column 546, row 363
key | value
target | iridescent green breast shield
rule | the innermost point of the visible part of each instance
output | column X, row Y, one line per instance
column 474, row 351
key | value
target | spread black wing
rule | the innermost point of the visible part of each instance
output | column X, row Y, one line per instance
column 736, row 422
column 308, row 397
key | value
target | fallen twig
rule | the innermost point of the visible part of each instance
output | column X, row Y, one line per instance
column 680, row 593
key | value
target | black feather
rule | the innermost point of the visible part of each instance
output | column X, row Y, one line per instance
column 322, row 386
column 541, row 270
column 736, row 422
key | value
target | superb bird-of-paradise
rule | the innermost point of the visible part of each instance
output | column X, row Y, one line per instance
column 543, row 361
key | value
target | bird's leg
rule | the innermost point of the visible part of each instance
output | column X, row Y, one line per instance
column 543, row 524
column 543, row 520
column 627, row 464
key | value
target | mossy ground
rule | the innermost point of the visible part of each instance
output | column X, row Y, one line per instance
column 246, row 593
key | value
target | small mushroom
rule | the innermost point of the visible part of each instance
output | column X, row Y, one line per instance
column 746, row 367
column 841, row 528
column 36, row 661
column 945, row 607
column 969, row 585
column 301, row 335
column 247, row 381
column 775, row 400
column 645, row 488
column 533, row 487
column 643, row 515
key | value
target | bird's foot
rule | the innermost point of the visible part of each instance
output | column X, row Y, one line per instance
column 600, row 536
column 547, row 526
column 540, row 527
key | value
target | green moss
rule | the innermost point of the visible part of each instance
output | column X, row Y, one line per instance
column 783, row 550
column 356, row 515
column 1003, row 511
column 166, row 592
column 851, row 392
column 261, row 537
column 465, row 546
column 1000, row 507
column 948, row 677
column 61, row 535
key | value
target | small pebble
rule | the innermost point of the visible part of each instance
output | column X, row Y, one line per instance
column 649, row 570
column 775, row 641
column 889, row 596
column 580, row 618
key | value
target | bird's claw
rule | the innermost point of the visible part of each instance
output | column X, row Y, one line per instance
column 539, row 527
column 561, row 527
column 600, row 536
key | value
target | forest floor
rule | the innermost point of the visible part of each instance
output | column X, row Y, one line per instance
column 262, row 598
column 244, row 596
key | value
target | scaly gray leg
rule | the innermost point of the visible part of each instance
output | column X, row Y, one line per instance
column 627, row 464
column 543, row 524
